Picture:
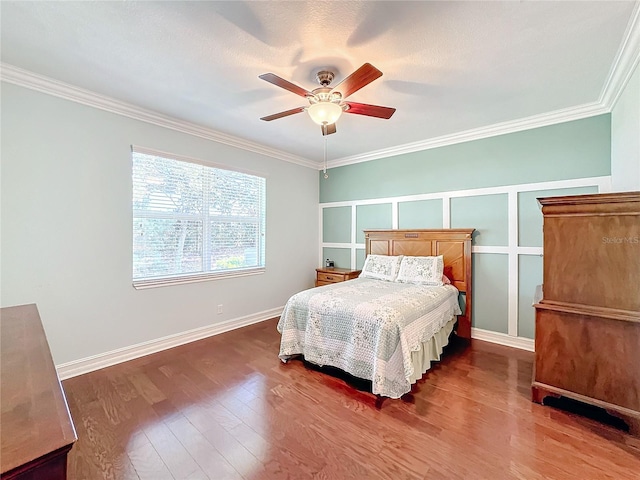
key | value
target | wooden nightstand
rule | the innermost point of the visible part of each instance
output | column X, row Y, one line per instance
column 325, row 276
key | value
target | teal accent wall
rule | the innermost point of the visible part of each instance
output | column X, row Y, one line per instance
column 483, row 184
column 530, row 213
column 488, row 214
column 372, row 216
column 490, row 292
column 336, row 224
column 341, row 256
column 420, row 214
column 577, row 149
column 360, row 257
column 529, row 276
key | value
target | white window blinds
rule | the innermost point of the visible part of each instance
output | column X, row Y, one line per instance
column 193, row 222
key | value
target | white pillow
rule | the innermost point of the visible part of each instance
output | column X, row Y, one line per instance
column 381, row 267
column 421, row 270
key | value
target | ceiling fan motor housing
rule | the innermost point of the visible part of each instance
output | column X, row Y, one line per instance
column 323, row 94
column 325, row 77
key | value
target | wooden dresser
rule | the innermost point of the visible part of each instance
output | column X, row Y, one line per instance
column 37, row 431
column 325, row 276
column 587, row 342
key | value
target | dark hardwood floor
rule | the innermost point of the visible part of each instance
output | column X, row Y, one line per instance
column 226, row 407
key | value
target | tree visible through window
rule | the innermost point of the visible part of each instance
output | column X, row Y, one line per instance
column 191, row 220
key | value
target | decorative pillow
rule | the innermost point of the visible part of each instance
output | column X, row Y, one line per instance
column 381, row 267
column 422, row 270
column 445, row 280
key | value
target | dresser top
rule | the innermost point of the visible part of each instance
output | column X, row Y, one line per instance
column 35, row 418
column 593, row 198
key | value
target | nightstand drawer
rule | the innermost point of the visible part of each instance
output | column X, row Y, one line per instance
column 326, row 276
column 330, row 277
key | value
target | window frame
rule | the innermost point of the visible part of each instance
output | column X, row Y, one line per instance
column 179, row 279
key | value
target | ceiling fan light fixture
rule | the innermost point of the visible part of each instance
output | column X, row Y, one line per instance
column 326, row 103
column 324, row 113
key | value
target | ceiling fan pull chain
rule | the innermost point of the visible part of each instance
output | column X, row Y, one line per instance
column 325, row 158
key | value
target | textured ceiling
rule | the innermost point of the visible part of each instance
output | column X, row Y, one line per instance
column 448, row 66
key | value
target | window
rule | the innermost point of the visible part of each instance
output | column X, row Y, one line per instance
column 193, row 222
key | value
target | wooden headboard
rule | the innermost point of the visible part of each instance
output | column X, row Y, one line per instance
column 453, row 244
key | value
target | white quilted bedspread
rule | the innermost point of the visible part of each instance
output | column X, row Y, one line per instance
column 366, row 327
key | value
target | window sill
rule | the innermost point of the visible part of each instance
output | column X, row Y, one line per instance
column 201, row 277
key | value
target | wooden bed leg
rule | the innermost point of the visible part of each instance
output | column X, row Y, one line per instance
column 408, row 398
column 379, row 400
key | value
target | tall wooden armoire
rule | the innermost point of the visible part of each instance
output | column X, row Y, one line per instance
column 587, row 341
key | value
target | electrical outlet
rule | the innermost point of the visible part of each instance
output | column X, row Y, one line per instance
column 219, row 309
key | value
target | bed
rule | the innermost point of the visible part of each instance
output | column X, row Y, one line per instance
column 386, row 332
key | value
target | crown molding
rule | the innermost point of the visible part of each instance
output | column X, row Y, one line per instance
column 625, row 62
column 535, row 121
column 24, row 78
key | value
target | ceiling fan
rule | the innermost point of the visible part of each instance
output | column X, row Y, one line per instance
column 326, row 104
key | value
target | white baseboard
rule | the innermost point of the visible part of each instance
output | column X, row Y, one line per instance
column 107, row 359
column 503, row 339
column 102, row 360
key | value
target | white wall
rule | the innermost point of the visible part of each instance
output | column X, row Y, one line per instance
column 625, row 137
column 66, row 226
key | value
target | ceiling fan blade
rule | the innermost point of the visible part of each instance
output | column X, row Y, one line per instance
column 362, row 77
column 369, row 110
column 287, row 85
column 286, row 113
column 328, row 129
